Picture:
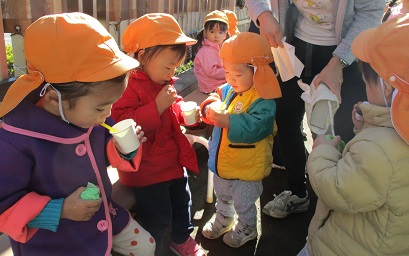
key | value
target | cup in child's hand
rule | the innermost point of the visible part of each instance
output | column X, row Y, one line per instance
column 189, row 112
column 217, row 107
column 126, row 135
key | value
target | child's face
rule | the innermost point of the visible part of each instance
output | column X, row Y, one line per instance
column 93, row 108
column 162, row 66
column 238, row 75
column 215, row 35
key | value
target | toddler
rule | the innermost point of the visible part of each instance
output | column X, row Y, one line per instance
column 362, row 191
column 242, row 139
column 208, row 66
column 161, row 185
column 52, row 145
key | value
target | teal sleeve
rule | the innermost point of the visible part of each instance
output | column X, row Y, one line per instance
column 49, row 217
column 254, row 125
column 129, row 156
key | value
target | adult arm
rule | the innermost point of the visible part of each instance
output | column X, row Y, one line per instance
column 368, row 14
column 260, row 12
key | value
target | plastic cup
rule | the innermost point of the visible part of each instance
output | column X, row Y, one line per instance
column 189, row 112
column 126, row 135
column 216, row 107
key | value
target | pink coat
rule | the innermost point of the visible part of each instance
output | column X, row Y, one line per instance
column 208, row 67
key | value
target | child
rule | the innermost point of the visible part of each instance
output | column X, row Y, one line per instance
column 362, row 192
column 208, row 66
column 52, row 145
column 160, row 186
column 241, row 142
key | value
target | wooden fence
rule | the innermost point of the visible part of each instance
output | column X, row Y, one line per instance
column 115, row 15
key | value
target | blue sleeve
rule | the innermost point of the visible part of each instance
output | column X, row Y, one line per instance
column 49, row 217
column 254, row 125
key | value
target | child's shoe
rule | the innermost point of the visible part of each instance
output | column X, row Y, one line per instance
column 217, row 226
column 286, row 203
column 239, row 235
column 188, row 248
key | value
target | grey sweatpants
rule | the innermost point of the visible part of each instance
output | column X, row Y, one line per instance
column 238, row 196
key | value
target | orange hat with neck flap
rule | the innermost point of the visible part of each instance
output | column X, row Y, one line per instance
column 385, row 48
column 253, row 49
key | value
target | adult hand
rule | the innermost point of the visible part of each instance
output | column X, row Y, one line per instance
column 332, row 76
column 270, row 29
column 77, row 209
column 165, row 98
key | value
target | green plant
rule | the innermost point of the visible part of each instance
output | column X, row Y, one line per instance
column 182, row 68
column 10, row 60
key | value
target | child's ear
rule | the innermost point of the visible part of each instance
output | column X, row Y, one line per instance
column 140, row 54
column 51, row 101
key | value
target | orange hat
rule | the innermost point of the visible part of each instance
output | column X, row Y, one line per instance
column 217, row 16
column 154, row 29
column 56, row 52
column 233, row 30
column 251, row 48
column 384, row 48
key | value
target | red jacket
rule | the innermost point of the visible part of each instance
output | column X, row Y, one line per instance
column 167, row 150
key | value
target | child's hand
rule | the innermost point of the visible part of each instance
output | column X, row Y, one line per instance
column 357, row 118
column 198, row 115
column 221, row 120
column 322, row 140
column 165, row 98
column 77, row 209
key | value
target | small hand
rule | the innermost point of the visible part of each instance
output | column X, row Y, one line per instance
column 358, row 123
column 165, row 98
column 218, row 119
column 331, row 75
column 77, row 209
column 320, row 140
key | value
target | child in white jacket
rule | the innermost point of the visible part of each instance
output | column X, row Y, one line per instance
column 362, row 192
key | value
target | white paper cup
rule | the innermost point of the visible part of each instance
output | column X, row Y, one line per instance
column 215, row 105
column 189, row 112
column 126, row 135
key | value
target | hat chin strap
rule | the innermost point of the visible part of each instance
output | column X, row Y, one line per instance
column 43, row 91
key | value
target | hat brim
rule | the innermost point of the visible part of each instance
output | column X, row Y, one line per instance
column 29, row 82
column 359, row 45
column 217, row 19
column 182, row 39
column 118, row 68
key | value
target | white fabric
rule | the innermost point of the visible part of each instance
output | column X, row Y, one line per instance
column 287, row 63
column 321, row 104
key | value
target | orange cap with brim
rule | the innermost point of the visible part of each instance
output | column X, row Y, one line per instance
column 154, row 29
column 217, row 16
column 385, row 49
column 251, row 48
column 64, row 48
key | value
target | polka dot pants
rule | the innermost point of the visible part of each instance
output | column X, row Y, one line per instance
column 134, row 240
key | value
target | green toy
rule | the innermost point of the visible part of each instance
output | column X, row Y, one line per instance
column 341, row 144
column 91, row 193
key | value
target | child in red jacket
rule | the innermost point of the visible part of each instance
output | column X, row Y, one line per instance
column 160, row 186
